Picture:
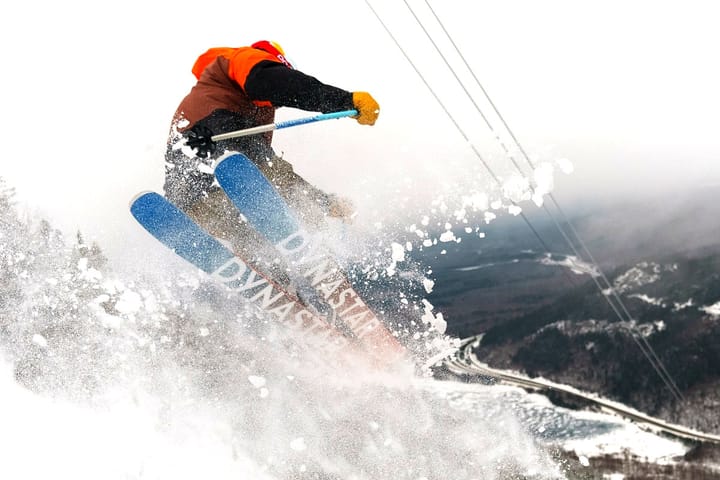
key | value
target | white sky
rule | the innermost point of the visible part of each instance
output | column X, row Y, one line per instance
column 628, row 91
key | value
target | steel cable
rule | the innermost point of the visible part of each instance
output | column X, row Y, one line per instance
column 660, row 368
column 640, row 341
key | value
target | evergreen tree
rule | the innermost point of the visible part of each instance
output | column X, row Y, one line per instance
column 14, row 260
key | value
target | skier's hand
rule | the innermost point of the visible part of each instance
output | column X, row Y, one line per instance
column 199, row 138
column 368, row 109
column 342, row 208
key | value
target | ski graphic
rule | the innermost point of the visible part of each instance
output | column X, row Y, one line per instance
column 178, row 232
column 266, row 211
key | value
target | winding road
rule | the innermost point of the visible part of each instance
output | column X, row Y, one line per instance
column 465, row 362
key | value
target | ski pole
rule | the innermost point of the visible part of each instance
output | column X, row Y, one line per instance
column 277, row 126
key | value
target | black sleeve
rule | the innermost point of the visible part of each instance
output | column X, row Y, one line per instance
column 285, row 87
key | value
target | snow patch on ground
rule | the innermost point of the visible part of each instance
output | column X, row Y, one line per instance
column 628, row 438
column 573, row 263
column 658, row 302
column 713, row 310
column 642, row 274
column 587, row 434
column 681, row 306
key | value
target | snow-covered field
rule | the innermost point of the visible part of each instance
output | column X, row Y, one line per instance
column 586, row 433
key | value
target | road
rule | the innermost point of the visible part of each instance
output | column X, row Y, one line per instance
column 465, row 362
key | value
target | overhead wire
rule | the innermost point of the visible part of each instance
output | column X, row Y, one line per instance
column 456, row 124
column 641, row 342
column 639, row 339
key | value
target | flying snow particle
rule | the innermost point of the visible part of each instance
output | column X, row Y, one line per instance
column 516, row 188
column 207, row 169
column 129, row 302
column 86, row 272
column 398, row 252
column 435, row 321
column 514, row 210
column 544, row 184
column 398, row 255
column 298, row 444
column 565, row 165
column 256, row 381
column 39, row 340
column 478, row 201
column 447, row 236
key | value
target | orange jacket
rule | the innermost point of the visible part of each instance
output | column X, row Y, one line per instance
column 240, row 62
column 252, row 83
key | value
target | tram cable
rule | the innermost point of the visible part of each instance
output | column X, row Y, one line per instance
column 639, row 339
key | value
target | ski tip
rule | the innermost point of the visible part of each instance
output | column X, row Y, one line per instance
column 229, row 157
column 137, row 198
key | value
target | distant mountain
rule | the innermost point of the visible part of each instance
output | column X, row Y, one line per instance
column 578, row 339
column 542, row 315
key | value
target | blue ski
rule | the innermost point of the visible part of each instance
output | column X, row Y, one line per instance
column 266, row 211
column 178, row 232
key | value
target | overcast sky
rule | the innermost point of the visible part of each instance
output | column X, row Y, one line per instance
column 627, row 91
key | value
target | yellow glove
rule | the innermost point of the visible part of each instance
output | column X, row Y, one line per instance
column 368, row 109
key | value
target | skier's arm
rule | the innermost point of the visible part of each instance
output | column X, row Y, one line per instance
column 284, row 87
column 265, row 79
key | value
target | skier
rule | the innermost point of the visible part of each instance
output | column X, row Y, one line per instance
column 239, row 88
